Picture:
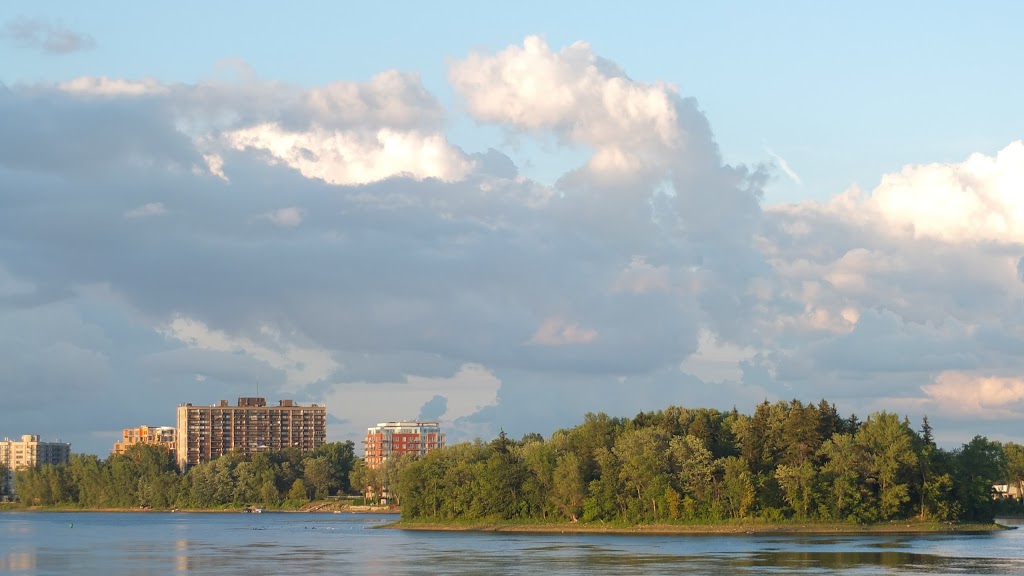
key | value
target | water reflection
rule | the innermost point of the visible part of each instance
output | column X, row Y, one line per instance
column 181, row 558
column 18, row 561
column 199, row 544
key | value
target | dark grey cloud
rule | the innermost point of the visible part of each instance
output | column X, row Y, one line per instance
column 46, row 37
column 433, row 409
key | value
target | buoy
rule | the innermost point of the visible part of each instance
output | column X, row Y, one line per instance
column 70, row 525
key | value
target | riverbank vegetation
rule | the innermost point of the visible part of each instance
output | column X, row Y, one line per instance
column 789, row 462
column 786, row 464
column 146, row 477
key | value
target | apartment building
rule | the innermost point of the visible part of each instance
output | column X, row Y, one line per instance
column 29, row 452
column 206, row 432
column 164, row 436
column 388, row 439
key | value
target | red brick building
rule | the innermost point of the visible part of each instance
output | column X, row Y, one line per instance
column 388, row 439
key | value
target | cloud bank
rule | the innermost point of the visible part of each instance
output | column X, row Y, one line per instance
column 164, row 243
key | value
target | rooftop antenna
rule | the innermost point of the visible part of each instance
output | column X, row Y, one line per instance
column 257, row 383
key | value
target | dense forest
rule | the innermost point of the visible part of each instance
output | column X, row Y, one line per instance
column 147, row 477
column 788, row 461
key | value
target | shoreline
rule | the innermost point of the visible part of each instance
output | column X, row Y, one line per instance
column 340, row 510
column 704, row 529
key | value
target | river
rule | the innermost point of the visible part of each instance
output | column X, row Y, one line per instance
column 43, row 543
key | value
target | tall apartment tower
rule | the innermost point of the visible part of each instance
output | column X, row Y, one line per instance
column 164, row 436
column 30, row 452
column 389, row 439
column 206, row 432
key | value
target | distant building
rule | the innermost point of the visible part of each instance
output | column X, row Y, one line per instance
column 30, row 452
column 154, row 435
column 389, row 439
column 1006, row 490
column 206, row 432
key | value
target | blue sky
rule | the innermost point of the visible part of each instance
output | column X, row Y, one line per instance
column 192, row 197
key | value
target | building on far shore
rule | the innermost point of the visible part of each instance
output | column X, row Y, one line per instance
column 29, row 452
column 206, row 432
column 388, row 439
column 164, row 436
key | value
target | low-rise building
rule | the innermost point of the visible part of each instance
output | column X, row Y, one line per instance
column 389, row 439
column 164, row 436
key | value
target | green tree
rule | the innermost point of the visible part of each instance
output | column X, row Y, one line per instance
column 694, row 465
column 798, row 484
column 800, row 434
column 539, row 459
column 1013, row 460
column 298, row 491
column 569, row 490
column 887, row 447
column 340, row 458
column 844, row 464
column 978, row 465
column 738, row 495
column 645, row 466
column 317, row 475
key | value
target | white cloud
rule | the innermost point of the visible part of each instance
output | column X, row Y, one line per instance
column 394, row 99
column 151, row 209
column 716, row 362
column 970, row 394
column 215, row 164
column 556, row 332
column 362, row 404
column 631, row 126
column 104, row 86
column 285, row 217
column 356, row 158
column 978, row 200
column 301, row 365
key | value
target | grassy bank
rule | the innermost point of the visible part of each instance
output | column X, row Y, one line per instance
column 905, row 526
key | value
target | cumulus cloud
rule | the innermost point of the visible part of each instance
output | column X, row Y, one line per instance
column 976, row 395
column 302, row 365
column 583, row 99
column 978, row 200
column 447, row 398
column 398, row 267
column 46, row 37
column 356, row 158
column 358, row 256
column 877, row 292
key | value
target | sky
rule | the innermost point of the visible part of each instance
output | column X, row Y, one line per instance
column 503, row 216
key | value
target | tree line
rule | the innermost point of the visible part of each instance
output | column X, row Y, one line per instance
column 787, row 461
column 146, row 476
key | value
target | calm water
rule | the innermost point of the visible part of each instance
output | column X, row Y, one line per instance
column 252, row 544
